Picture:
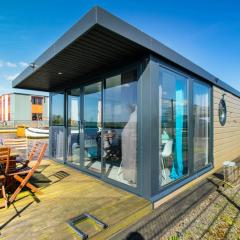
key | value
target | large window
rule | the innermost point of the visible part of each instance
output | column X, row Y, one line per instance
column 120, row 128
column 173, row 148
column 37, row 100
column 201, row 117
column 57, row 142
column 57, row 127
column 37, row 117
column 92, row 126
column 73, row 120
column 57, row 109
column 175, row 158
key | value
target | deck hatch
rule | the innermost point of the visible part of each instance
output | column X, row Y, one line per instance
column 86, row 225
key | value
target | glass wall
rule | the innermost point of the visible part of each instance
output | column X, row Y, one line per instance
column 73, row 122
column 102, row 135
column 92, row 126
column 175, row 158
column 57, row 139
column 120, row 128
column 57, row 126
column 58, row 110
column 201, row 118
column 173, row 147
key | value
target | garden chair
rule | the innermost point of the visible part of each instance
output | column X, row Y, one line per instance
column 27, row 172
column 34, row 151
column 4, row 167
column 18, row 146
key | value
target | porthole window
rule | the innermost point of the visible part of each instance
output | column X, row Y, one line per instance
column 222, row 112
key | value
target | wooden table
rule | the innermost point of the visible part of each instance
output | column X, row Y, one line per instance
column 13, row 162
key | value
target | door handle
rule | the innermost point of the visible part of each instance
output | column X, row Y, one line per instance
column 81, row 126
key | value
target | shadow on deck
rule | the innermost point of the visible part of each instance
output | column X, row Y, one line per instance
column 68, row 193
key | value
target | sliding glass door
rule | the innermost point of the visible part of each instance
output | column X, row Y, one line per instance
column 73, row 127
column 173, row 148
column 84, row 126
column 120, row 128
column 201, row 124
column 57, row 128
column 102, row 128
column 184, row 126
column 92, row 126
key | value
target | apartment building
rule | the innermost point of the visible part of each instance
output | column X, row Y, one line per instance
column 25, row 107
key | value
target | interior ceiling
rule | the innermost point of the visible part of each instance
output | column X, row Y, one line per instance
column 97, row 50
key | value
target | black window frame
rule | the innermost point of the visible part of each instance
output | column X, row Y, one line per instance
column 161, row 191
column 136, row 65
column 51, row 110
column 222, row 106
column 211, row 127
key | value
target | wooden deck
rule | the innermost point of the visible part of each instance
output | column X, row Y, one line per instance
column 68, row 193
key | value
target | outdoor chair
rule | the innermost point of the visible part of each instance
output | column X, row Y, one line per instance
column 18, row 146
column 31, row 155
column 4, row 167
column 23, row 175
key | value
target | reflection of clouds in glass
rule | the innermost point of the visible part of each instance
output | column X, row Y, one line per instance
column 118, row 100
column 58, row 109
column 91, row 105
column 201, row 101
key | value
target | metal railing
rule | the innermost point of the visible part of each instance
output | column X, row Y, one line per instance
column 26, row 123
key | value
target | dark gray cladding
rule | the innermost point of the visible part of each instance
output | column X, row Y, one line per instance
column 99, row 41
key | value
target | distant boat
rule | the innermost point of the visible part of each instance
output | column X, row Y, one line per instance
column 36, row 133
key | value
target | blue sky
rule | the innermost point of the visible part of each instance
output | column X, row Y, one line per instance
column 207, row 32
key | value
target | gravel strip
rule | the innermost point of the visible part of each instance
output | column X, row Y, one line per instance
column 216, row 218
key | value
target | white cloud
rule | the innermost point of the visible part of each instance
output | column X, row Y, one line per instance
column 23, row 64
column 13, row 64
column 10, row 77
column 10, row 64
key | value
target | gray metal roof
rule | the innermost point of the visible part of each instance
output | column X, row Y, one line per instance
column 99, row 41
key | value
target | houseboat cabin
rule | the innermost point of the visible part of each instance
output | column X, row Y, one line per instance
column 130, row 111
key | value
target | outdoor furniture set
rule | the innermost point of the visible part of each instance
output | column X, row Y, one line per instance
column 15, row 171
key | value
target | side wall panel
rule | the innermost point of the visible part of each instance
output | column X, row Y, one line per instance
column 22, row 107
column 46, row 109
column 12, row 106
column 226, row 138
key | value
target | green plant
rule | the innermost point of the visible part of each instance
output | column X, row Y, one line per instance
column 175, row 237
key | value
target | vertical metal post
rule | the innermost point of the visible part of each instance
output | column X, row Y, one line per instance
column 190, row 128
column 149, row 127
column 65, row 142
column 50, row 127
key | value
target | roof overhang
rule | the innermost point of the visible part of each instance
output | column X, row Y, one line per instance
column 98, row 41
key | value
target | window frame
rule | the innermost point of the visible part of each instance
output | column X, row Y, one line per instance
column 51, row 111
column 136, row 65
column 63, row 126
column 168, row 188
column 224, row 106
column 138, row 163
column 211, row 127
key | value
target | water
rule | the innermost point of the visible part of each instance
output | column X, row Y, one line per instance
column 31, row 142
